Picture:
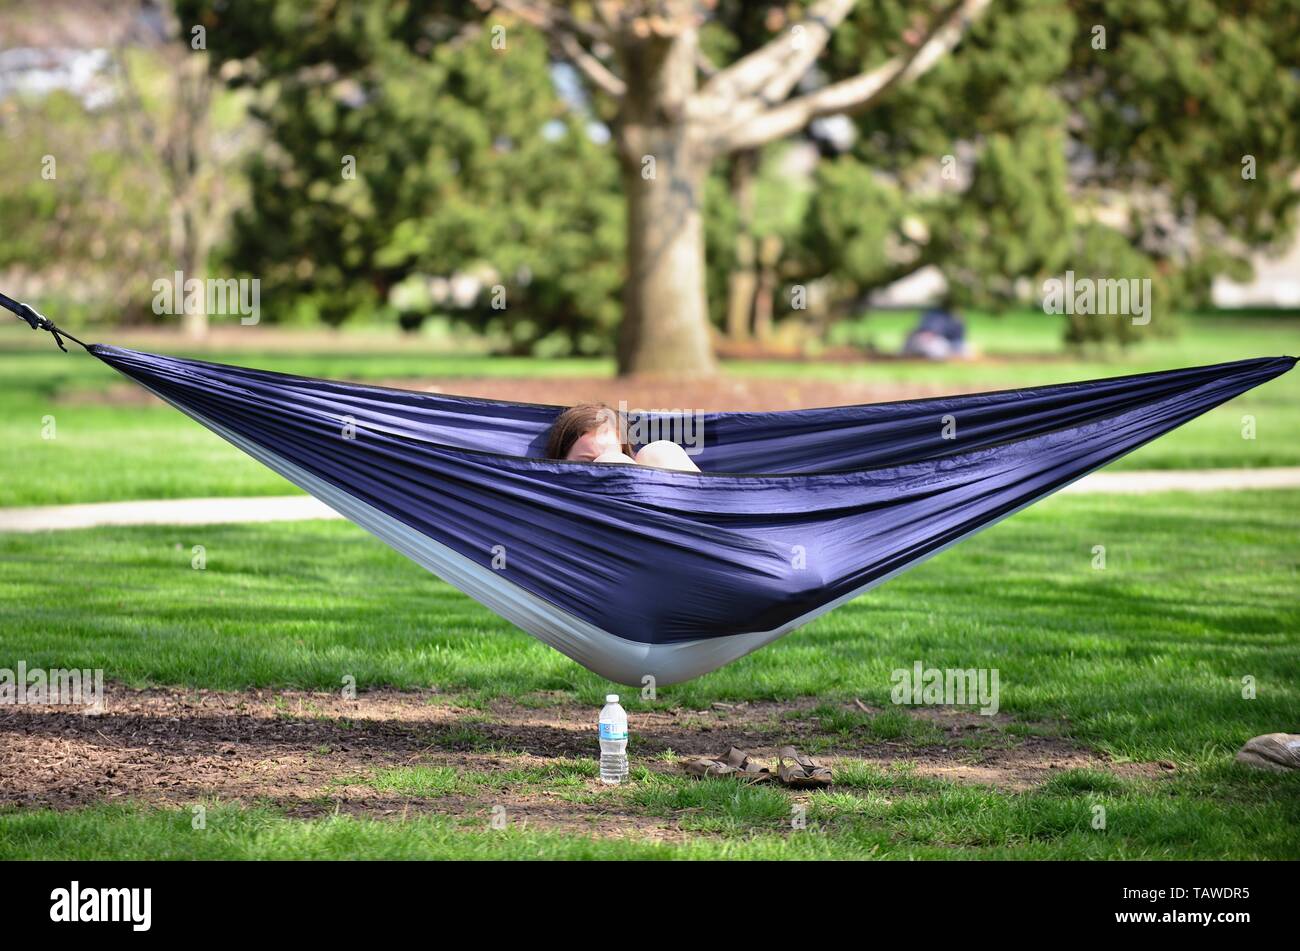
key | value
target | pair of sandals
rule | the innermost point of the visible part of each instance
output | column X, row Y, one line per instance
column 801, row 772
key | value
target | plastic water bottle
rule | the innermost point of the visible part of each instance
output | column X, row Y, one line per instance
column 613, row 741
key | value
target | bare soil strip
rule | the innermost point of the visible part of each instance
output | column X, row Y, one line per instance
column 720, row 394
column 305, row 752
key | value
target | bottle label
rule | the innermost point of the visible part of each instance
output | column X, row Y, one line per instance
column 610, row 732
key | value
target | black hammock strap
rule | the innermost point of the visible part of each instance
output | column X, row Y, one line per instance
column 36, row 320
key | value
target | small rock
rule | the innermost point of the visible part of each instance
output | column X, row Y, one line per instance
column 1278, row 752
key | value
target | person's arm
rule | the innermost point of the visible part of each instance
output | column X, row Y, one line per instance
column 666, row 455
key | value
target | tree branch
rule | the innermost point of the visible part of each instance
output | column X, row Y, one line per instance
column 547, row 16
column 858, row 93
column 597, row 72
column 773, row 70
column 562, row 30
column 610, row 15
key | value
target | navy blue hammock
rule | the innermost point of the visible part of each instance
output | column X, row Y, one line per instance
column 635, row 571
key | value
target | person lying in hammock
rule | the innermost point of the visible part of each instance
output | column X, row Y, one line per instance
column 593, row 432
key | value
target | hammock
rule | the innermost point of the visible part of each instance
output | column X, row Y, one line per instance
column 637, row 572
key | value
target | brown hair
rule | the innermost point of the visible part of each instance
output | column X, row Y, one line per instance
column 570, row 426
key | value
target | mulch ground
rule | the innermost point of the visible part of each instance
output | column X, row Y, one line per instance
column 297, row 750
column 723, row 394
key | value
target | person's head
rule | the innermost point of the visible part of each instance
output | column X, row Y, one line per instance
column 583, row 432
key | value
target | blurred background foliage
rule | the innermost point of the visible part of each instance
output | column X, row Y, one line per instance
column 384, row 162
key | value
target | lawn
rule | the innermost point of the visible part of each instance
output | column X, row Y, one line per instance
column 1121, row 689
column 1221, row 813
column 1138, row 664
column 104, row 451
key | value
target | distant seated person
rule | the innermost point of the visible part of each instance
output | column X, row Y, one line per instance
column 939, row 335
column 594, row 432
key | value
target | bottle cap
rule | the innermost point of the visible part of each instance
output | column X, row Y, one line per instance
column 611, row 698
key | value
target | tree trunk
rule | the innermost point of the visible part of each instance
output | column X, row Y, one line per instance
column 665, row 328
column 769, row 257
column 742, row 283
column 192, row 259
column 186, row 149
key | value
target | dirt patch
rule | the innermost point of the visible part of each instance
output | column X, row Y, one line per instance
column 719, row 395
column 314, row 753
column 723, row 394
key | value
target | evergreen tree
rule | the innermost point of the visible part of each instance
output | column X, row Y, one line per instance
column 1118, row 139
column 408, row 146
column 1001, row 142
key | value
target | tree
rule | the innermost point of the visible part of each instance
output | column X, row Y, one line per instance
column 1057, row 119
column 408, row 145
column 1107, row 138
column 168, row 102
column 84, row 225
column 670, row 126
column 122, row 174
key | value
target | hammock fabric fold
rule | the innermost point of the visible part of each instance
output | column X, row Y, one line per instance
column 635, row 572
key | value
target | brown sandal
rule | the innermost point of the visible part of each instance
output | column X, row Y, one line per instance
column 734, row 762
column 804, row 773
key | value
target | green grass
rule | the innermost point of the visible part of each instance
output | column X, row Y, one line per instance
column 1143, row 661
column 840, row 725
column 104, row 452
column 439, row 781
column 1226, row 812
